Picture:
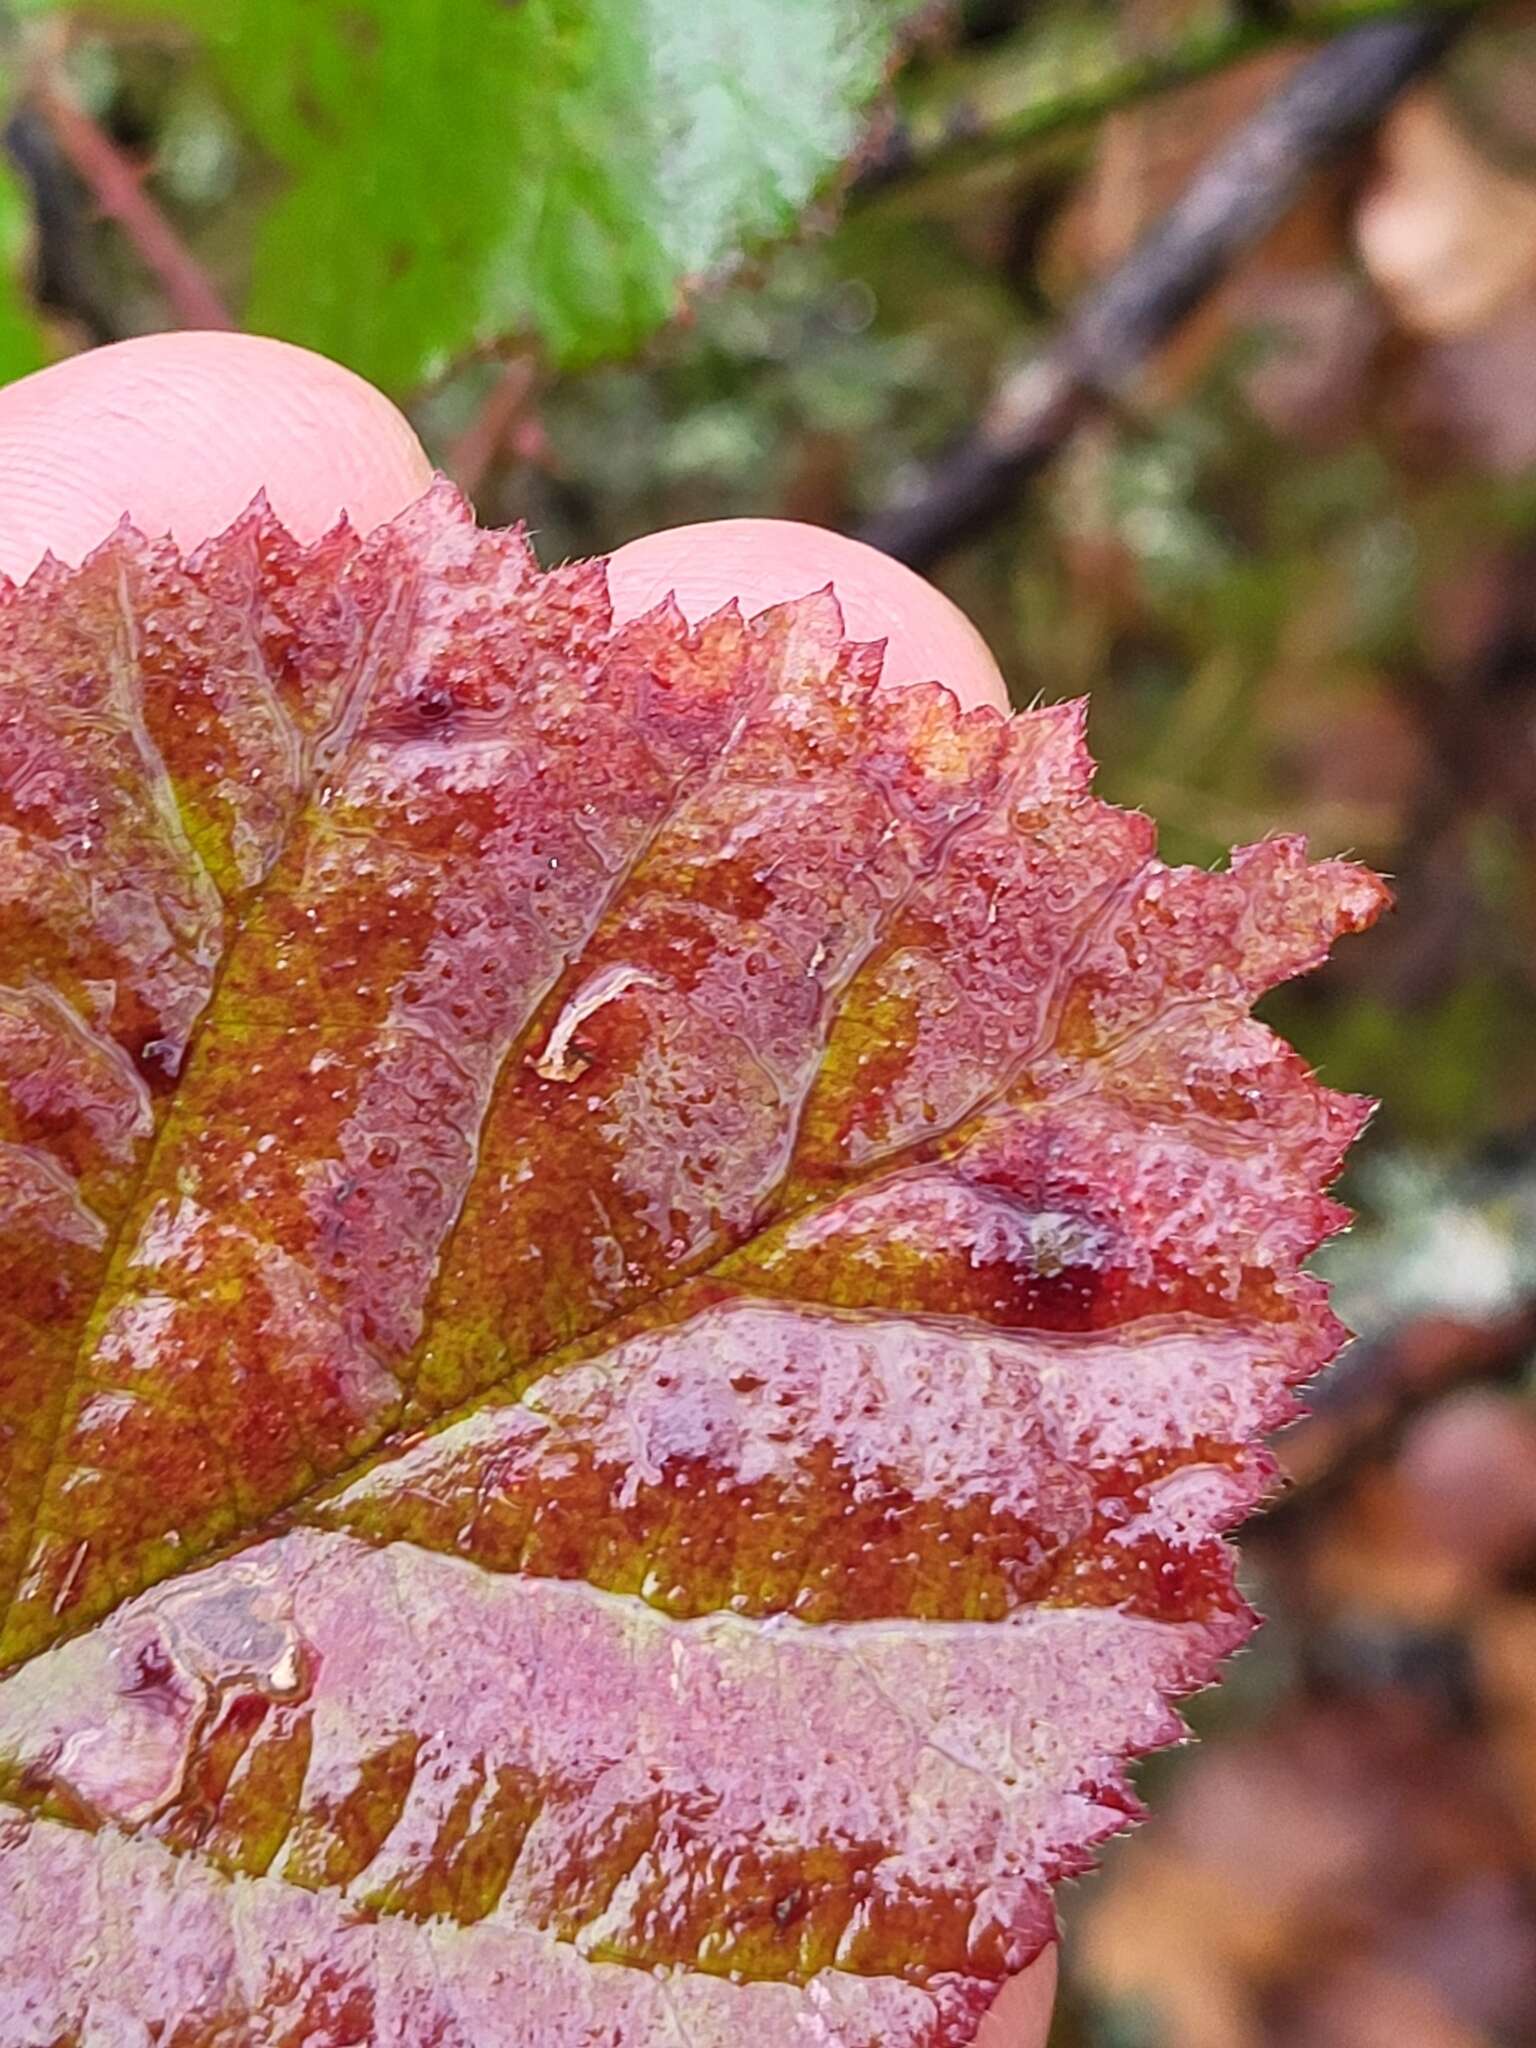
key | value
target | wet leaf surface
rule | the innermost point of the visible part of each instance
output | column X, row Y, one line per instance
column 639, row 1285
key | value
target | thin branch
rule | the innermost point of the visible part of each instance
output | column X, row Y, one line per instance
column 117, row 187
column 1233, row 201
column 959, row 133
column 501, row 420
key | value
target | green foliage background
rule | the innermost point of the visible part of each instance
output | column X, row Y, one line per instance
column 452, row 173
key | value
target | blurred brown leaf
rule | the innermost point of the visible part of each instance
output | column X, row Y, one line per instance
column 1447, row 236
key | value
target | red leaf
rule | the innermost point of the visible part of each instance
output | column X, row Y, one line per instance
column 639, row 1281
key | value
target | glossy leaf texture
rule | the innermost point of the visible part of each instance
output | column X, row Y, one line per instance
column 639, row 1283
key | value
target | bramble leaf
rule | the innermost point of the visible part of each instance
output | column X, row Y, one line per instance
column 638, row 1284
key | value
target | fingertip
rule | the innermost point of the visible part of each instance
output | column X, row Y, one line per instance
column 1021, row 2017
column 764, row 561
column 179, row 432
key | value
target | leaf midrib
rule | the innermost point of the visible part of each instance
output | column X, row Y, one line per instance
column 351, row 707
column 589, row 1343
column 117, row 1245
column 773, row 1220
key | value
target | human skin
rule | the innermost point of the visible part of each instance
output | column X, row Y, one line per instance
column 179, row 431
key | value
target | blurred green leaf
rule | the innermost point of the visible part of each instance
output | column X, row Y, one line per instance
column 458, row 170
column 22, row 347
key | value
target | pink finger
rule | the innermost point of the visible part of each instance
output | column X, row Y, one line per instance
column 1021, row 2018
column 181, row 430
column 761, row 561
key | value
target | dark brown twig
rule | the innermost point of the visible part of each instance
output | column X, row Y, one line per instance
column 504, row 413
column 954, row 133
column 1245, row 188
column 117, row 187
